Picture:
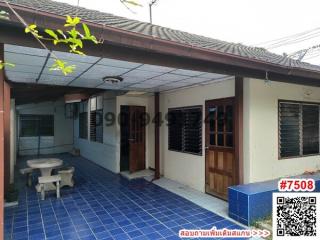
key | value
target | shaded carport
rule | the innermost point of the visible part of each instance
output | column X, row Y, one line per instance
column 31, row 80
column 151, row 45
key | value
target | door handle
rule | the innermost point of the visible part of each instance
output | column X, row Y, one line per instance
column 131, row 139
column 206, row 147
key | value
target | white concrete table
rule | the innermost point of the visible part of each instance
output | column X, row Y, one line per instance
column 45, row 165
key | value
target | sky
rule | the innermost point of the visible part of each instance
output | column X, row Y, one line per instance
column 250, row 22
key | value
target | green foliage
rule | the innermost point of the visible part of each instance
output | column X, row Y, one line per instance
column 88, row 35
column 51, row 33
column 60, row 65
column 4, row 15
column 5, row 64
column 32, row 28
column 71, row 37
column 72, row 22
column 132, row 2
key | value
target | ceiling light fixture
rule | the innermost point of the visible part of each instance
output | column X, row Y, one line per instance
column 112, row 79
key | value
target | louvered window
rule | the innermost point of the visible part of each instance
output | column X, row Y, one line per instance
column 185, row 129
column 310, row 129
column 96, row 119
column 175, row 125
column 83, row 120
column 298, row 129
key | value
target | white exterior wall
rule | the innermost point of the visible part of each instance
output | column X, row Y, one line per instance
column 107, row 154
column 103, row 154
column 148, row 103
column 261, row 130
column 63, row 135
column 186, row 168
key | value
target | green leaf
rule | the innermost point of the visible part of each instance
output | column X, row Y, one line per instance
column 79, row 43
column 73, row 33
column 76, row 20
column 68, row 20
column 9, row 64
column 6, row 64
column 51, row 33
column 72, row 38
column 2, row 12
column 62, row 33
column 86, row 30
column 94, row 40
column 4, row 15
column 31, row 28
column 60, row 65
column 133, row 3
column 72, row 22
column 78, row 52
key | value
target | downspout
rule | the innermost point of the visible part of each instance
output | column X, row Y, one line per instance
column 1, row 143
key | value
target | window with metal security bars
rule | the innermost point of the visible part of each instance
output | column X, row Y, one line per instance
column 36, row 125
column 185, row 129
column 83, row 120
column 298, row 129
column 96, row 119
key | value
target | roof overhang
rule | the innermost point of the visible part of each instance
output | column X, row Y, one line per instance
column 33, row 66
column 129, row 46
column 25, row 93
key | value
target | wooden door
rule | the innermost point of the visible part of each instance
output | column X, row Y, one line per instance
column 137, row 138
column 220, row 149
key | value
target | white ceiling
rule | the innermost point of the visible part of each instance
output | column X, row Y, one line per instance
column 33, row 66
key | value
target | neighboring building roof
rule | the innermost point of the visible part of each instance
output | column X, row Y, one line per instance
column 250, row 53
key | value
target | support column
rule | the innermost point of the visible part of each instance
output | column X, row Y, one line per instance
column 157, row 135
column 239, row 128
column 1, row 142
column 13, row 150
column 7, row 108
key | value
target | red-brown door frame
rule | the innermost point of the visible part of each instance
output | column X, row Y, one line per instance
column 1, row 143
column 7, row 162
column 137, row 141
column 4, row 139
column 222, row 149
column 239, row 128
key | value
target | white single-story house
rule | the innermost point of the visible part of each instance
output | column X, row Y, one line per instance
column 261, row 149
column 229, row 114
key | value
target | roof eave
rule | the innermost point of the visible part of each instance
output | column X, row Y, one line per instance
column 148, row 43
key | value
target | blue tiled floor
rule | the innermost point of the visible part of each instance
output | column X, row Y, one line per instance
column 103, row 205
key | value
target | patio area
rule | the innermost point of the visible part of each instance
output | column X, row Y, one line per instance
column 104, row 205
